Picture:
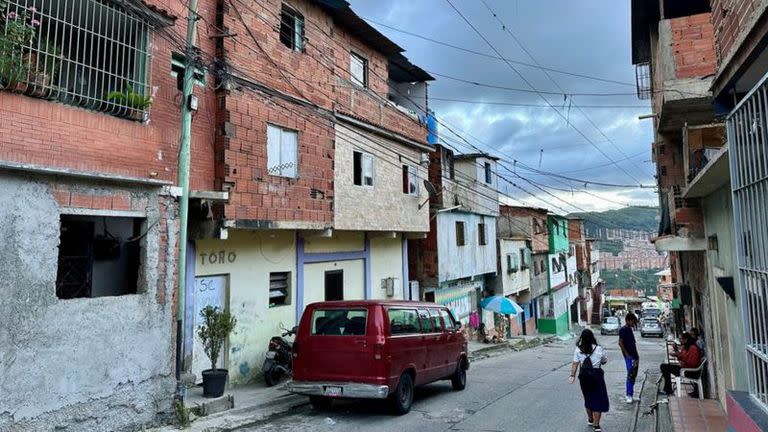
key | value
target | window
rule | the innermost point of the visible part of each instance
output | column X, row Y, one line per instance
column 96, row 58
column 511, row 263
column 481, row 240
column 403, row 321
column 339, row 322
column 279, row 289
column 282, row 152
column 543, row 266
column 334, row 285
column 662, row 149
column 178, row 66
column 363, row 169
column 538, row 226
column 427, row 325
column 358, row 66
column 460, row 240
column 434, row 316
column 524, row 258
column 447, row 164
column 555, row 265
column 448, row 322
column 663, row 170
column 291, row 28
column 98, row 256
column 410, row 180
column 487, row 169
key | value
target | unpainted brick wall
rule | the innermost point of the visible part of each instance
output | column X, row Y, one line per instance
column 730, row 20
column 693, row 46
column 47, row 133
column 319, row 74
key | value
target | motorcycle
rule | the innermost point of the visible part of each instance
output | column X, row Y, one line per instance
column 278, row 363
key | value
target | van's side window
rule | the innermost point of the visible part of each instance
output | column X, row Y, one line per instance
column 427, row 325
column 450, row 324
column 434, row 316
column 403, row 321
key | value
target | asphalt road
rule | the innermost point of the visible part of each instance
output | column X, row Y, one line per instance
column 514, row 391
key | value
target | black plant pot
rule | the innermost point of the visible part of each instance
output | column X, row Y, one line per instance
column 214, row 381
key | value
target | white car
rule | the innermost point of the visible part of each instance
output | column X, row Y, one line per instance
column 610, row 325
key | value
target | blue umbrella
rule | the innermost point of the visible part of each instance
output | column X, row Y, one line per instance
column 501, row 304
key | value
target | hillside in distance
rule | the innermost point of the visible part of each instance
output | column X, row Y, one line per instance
column 628, row 218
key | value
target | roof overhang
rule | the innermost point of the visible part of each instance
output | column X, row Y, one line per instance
column 384, row 133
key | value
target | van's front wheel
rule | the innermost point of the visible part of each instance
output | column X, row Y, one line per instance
column 403, row 396
column 459, row 378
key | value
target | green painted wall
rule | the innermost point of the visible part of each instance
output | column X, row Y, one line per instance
column 558, row 326
column 558, row 233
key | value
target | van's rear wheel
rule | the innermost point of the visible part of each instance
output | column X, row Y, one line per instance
column 459, row 378
column 403, row 396
column 320, row 403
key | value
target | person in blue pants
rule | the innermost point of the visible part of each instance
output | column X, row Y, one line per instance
column 629, row 351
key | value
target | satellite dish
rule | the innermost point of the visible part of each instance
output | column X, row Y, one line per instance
column 430, row 188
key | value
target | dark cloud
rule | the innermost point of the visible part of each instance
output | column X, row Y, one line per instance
column 586, row 37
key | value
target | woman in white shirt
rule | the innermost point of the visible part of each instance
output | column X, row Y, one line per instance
column 591, row 377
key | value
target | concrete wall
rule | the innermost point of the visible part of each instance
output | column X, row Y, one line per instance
column 727, row 342
column 474, row 194
column 383, row 207
column 387, row 262
column 314, row 280
column 558, row 233
column 456, row 262
column 506, row 282
column 257, row 253
column 86, row 364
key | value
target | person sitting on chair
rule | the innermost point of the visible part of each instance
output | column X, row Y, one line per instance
column 689, row 357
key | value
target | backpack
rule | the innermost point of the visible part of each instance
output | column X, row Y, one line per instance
column 590, row 375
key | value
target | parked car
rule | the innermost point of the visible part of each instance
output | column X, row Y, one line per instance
column 651, row 327
column 610, row 325
column 376, row 350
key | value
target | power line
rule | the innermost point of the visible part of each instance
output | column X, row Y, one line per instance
column 484, row 102
column 471, row 51
column 530, row 55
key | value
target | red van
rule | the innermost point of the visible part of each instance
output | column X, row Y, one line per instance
column 376, row 350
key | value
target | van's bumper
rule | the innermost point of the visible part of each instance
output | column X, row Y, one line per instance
column 348, row 390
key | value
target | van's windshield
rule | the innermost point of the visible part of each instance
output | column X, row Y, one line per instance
column 339, row 322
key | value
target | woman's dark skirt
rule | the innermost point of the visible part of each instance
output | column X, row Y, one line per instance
column 595, row 394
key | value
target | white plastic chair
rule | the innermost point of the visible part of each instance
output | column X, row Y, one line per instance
column 682, row 379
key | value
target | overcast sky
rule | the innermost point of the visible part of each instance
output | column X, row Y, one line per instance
column 587, row 37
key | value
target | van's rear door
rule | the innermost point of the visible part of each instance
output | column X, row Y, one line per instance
column 338, row 348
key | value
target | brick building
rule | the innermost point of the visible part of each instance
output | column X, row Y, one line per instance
column 707, row 83
column 322, row 147
column 89, row 133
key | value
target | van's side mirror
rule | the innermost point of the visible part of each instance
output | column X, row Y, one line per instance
column 295, row 329
column 457, row 327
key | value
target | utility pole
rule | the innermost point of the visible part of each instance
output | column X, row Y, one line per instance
column 183, row 179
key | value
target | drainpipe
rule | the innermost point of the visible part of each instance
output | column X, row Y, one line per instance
column 183, row 183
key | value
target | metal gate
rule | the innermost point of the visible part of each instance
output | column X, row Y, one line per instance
column 748, row 152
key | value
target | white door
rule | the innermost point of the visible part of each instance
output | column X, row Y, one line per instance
column 209, row 290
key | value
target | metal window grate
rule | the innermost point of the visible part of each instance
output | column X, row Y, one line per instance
column 748, row 150
column 643, row 81
column 88, row 53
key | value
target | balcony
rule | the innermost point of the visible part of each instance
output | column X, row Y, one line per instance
column 701, row 144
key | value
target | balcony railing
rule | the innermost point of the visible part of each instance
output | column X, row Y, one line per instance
column 87, row 53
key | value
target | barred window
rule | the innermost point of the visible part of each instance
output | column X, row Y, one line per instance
column 89, row 53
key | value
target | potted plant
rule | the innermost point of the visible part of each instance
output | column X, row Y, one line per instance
column 135, row 102
column 17, row 32
column 216, row 327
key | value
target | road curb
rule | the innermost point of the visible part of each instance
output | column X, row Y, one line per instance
column 518, row 345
